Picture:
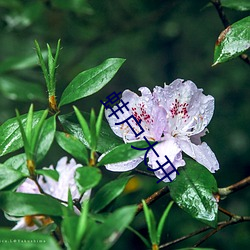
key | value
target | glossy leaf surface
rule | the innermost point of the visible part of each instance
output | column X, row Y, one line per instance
column 10, row 136
column 233, row 41
column 193, row 191
column 90, row 81
column 108, row 193
column 87, row 177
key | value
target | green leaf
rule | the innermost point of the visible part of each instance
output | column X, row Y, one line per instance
column 53, row 174
column 84, row 125
column 107, row 139
column 105, row 235
column 73, row 146
column 8, row 176
column 16, row 240
column 233, row 41
column 151, row 223
column 90, row 81
column 18, row 162
column 69, row 230
column 162, row 221
column 10, row 136
column 241, row 5
column 99, row 122
column 19, row 90
column 124, row 152
column 87, row 177
column 46, row 138
column 108, row 193
column 193, row 191
column 20, row 204
column 92, row 127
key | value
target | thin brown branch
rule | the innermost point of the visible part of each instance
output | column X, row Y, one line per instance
column 204, row 229
column 224, row 211
column 226, row 23
column 223, row 192
column 144, row 173
column 152, row 198
column 235, row 220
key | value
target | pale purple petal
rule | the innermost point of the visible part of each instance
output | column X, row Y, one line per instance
column 201, row 153
column 171, row 149
column 189, row 110
column 29, row 187
column 144, row 108
column 124, row 166
column 59, row 189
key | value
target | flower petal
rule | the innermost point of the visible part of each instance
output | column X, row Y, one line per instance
column 59, row 189
column 189, row 110
column 29, row 187
column 125, row 165
column 201, row 153
column 153, row 117
column 170, row 148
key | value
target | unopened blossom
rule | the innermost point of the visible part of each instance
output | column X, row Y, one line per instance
column 58, row 189
column 176, row 116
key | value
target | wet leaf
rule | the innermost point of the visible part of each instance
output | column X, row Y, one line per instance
column 73, row 146
column 123, row 153
column 46, row 137
column 9, row 176
column 107, row 139
column 108, row 193
column 20, row 204
column 233, row 41
column 193, row 191
column 87, row 177
column 10, row 135
column 90, row 81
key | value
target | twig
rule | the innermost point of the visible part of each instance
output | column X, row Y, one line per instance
column 235, row 220
column 223, row 192
column 226, row 23
column 152, row 198
column 144, row 173
column 224, row 211
column 204, row 229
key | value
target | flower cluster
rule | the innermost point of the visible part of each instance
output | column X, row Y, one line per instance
column 176, row 116
column 58, row 189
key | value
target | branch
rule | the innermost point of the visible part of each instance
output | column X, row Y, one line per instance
column 226, row 23
column 144, row 173
column 152, row 198
column 223, row 192
column 235, row 220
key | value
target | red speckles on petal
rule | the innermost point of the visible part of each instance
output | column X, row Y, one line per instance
column 179, row 109
column 140, row 113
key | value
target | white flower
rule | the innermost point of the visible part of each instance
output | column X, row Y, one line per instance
column 176, row 116
column 58, row 189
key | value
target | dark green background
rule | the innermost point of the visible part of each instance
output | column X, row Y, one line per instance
column 162, row 41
